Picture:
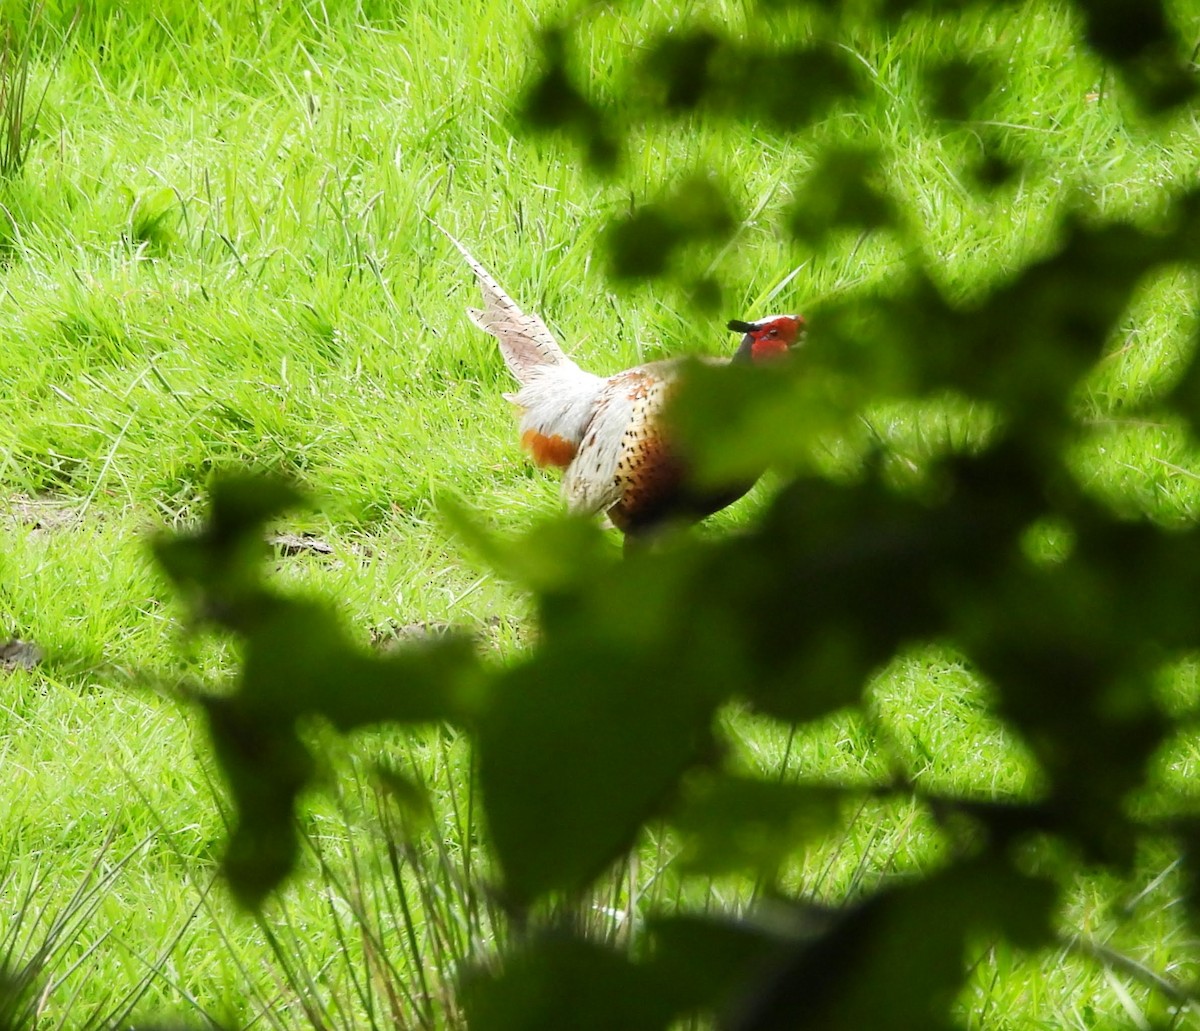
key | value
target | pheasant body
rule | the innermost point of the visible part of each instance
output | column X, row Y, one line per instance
column 607, row 434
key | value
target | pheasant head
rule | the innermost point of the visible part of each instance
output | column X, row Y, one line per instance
column 768, row 337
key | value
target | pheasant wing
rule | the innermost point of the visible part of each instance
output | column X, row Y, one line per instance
column 623, row 458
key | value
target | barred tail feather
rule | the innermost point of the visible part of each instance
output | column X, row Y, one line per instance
column 524, row 340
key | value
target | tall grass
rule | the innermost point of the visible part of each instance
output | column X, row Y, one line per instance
column 15, row 140
column 42, row 946
column 19, row 111
column 408, row 909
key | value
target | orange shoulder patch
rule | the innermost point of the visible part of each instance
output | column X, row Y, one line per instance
column 548, row 450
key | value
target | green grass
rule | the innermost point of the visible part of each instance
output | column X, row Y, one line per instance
column 220, row 255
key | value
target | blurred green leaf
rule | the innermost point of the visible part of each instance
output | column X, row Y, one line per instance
column 297, row 664
column 1184, row 396
column 785, row 87
column 732, row 824
column 844, row 191
column 266, row 767
column 554, row 102
column 1068, row 647
column 771, row 417
column 295, row 652
column 219, row 565
column 552, row 555
column 1137, row 36
column 560, row 982
column 907, row 944
column 412, row 799
column 679, row 65
column 575, row 753
column 993, row 170
column 703, row 964
column 960, row 88
column 844, row 576
column 641, row 246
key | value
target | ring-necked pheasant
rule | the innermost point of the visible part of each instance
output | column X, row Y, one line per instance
column 607, row 434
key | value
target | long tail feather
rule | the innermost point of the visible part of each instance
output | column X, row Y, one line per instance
column 524, row 339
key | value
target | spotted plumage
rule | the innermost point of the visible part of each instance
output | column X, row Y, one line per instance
column 607, row 434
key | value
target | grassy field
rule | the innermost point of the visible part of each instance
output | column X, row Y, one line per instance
column 220, row 254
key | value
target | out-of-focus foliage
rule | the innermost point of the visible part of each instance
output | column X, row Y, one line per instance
column 607, row 722
column 294, row 652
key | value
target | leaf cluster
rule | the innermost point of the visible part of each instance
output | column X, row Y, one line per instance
column 608, row 723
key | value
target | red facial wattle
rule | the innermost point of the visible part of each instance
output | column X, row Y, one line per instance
column 772, row 338
column 767, row 347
